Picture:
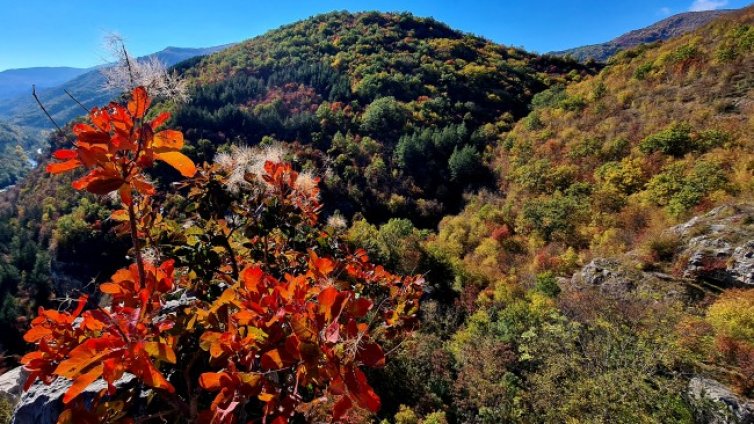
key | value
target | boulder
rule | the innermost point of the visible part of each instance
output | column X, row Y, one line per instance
column 718, row 247
column 714, row 403
column 12, row 384
column 42, row 404
column 616, row 279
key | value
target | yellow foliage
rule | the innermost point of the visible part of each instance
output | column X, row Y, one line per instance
column 733, row 314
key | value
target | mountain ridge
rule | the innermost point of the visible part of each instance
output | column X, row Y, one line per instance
column 87, row 87
column 15, row 81
column 662, row 30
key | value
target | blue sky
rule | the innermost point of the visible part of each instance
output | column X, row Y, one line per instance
column 70, row 32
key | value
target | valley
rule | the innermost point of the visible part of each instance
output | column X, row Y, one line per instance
column 571, row 239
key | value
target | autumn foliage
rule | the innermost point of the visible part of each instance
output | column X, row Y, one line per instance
column 246, row 309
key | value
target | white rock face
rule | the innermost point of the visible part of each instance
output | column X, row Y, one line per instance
column 42, row 404
column 719, row 246
column 716, row 404
column 12, row 384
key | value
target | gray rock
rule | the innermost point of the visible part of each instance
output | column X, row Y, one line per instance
column 718, row 246
column 12, row 384
column 716, row 404
column 617, row 279
column 42, row 404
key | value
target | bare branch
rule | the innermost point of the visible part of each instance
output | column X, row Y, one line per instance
column 75, row 100
column 41, row 106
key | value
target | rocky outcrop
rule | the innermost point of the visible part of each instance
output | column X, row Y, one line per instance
column 616, row 279
column 718, row 247
column 714, row 403
column 12, row 384
column 42, row 404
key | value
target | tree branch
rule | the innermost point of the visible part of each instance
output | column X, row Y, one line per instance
column 41, row 106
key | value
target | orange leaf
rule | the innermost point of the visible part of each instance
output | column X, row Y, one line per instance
column 327, row 297
column 81, row 357
column 125, row 194
column 121, row 215
column 159, row 120
column 160, row 351
column 139, row 102
column 36, row 333
column 252, row 277
column 57, row 168
column 179, row 161
column 168, row 140
column 146, row 371
column 271, row 360
column 210, row 381
column 143, row 187
column 112, row 370
column 81, row 383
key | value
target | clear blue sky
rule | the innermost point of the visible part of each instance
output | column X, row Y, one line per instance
column 70, row 32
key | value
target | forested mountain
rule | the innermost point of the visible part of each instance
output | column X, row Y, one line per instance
column 584, row 231
column 665, row 29
column 14, row 82
column 590, row 182
column 397, row 110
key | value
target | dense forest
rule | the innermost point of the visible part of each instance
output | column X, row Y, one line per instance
column 582, row 230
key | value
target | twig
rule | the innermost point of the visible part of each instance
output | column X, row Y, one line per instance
column 128, row 62
column 41, row 106
column 75, row 100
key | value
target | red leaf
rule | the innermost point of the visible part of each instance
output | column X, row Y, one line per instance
column 341, row 408
column 371, row 355
column 252, row 279
column 57, row 168
column 271, row 360
column 65, row 154
column 139, row 102
column 159, row 120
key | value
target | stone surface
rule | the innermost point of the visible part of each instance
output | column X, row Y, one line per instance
column 714, row 403
column 616, row 279
column 12, row 384
column 718, row 247
column 42, row 404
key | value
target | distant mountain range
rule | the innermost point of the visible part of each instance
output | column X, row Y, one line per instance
column 665, row 29
column 14, row 82
column 85, row 84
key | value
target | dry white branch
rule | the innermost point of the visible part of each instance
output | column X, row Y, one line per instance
column 129, row 72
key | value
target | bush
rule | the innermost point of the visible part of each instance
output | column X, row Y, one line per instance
column 679, row 189
column 547, row 284
column 674, row 140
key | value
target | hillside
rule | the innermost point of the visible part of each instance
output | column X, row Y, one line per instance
column 590, row 182
column 594, row 230
column 14, row 82
column 14, row 161
column 398, row 110
column 87, row 87
column 663, row 30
